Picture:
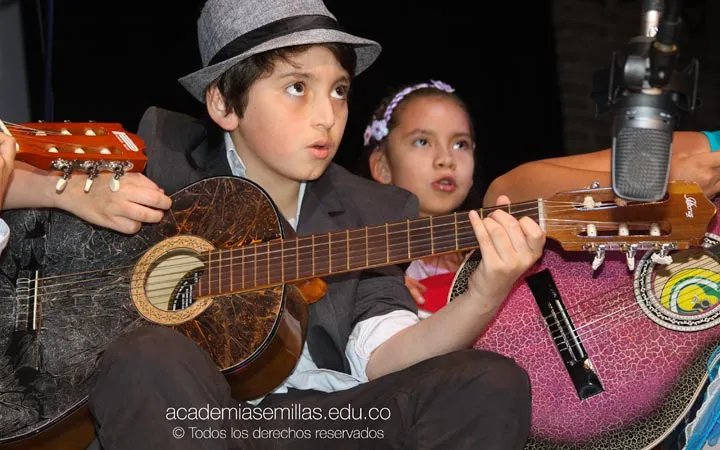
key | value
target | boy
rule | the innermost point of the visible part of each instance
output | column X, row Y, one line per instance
column 275, row 81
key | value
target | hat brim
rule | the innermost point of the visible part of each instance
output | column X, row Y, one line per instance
column 366, row 50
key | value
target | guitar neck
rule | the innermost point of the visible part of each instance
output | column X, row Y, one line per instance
column 319, row 255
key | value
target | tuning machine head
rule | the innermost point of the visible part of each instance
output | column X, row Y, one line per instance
column 119, row 169
column 66, row 168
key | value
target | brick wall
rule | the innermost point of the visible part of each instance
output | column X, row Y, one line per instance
column 586, row 34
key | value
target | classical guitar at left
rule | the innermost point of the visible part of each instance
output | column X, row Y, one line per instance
column 221, row 269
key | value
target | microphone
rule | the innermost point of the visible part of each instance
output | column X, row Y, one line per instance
column 646, row 96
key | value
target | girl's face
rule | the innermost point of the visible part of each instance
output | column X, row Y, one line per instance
column 429, row 152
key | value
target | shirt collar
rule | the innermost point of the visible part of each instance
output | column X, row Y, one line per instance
column 238, row 169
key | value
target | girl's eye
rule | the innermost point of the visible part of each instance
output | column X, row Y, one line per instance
column 462, row 145
column 421, row 142
column 296, row 89
column 340, row 92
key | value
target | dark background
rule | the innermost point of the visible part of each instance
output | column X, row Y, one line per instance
column 110, row 61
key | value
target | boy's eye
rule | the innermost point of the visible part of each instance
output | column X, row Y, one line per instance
column 340, row 92
column 296, row 89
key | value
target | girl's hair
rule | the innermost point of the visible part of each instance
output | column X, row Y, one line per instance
column 384, row 119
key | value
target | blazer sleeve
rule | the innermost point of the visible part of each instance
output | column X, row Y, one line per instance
column 382, row 290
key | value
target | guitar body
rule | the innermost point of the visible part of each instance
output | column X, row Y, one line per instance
column 650, row 374
column 46, row 374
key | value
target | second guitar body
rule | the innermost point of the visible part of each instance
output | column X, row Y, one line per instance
column 615, row 358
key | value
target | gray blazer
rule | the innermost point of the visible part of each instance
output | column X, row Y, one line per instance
column 179, row 153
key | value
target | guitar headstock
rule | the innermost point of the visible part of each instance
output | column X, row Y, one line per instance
column 86, row 147
column 595, row 220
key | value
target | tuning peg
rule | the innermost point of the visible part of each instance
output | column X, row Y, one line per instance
column 599, row 257
column 119, row 170
column 92, row 170
column 630, row 251
column 66, row 168
column 662, row 256
column 62, row 182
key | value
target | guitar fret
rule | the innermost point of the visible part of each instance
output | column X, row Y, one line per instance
column 377, row 248
column 242, row 266
column 267, row 261
column 432, row 241
column 367, row 255
column 407, row 223
column 274, row 253
column 457, row 247
column 329, row 253
column 297, row 258
column 255, row 267
column 312, row 258
column 387, row 244
column 210, row 272
column 232, row 262
column 220, row 289
column 282, row 261
column 347, row 244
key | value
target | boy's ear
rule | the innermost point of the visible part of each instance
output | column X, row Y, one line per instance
column 215, row 102
column 379, row 167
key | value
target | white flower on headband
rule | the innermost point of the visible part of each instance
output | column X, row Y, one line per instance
column 441, row 86
column 378, row 130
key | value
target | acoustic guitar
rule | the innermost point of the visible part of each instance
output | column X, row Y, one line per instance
column 616, row 358
column 221, row 269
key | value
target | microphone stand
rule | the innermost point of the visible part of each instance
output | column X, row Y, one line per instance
column 646, row 65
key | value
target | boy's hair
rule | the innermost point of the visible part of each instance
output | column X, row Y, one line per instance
column 375, row 141
column 234, row 84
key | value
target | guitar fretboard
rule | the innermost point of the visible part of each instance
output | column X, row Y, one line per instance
column 288, row 260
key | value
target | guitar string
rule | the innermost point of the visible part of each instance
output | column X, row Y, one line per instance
column 402, row 244
column 26, row 133
column 119, row 276
column 618, row 316
column 245, row 257
column 585, row 313
column 85, row 287
column 229, row 262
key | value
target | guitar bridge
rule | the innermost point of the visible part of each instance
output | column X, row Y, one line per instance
column 564, row 335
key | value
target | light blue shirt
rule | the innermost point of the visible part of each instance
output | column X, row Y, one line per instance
column 364, row 338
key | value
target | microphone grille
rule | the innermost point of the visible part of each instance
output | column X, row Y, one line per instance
column 641, row 161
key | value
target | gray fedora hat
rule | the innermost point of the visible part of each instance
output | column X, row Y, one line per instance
column 230, row 31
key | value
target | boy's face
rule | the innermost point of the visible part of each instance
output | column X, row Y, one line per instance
column 295, row 118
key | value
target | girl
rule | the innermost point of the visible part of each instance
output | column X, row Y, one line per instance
column 421, row 139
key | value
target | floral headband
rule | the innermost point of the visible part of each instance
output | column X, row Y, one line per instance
column 378, row 129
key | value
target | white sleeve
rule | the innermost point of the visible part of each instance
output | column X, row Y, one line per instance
column 4, row 235
column 370, row 334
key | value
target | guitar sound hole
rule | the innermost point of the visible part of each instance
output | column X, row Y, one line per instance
column 171, row 281
column 682, row 296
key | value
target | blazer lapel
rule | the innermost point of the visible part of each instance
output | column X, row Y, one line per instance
column 210, row 157
column 322, row 211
